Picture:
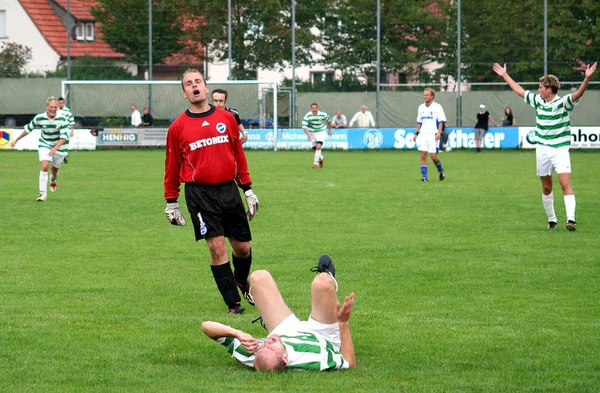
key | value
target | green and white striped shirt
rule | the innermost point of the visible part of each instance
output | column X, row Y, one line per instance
column 306, row 351
column 66, row 113
column 52, row 131
column 552, row 126
column 315, row 123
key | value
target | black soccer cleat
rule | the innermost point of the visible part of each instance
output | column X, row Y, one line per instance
column 424, row 179
column 325, row 265
column 442, row 176
column 245, row 289
column 236, row 310
column 551, row 224
column 571, row 226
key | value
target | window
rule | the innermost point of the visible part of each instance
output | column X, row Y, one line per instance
column 79, row 36
column 3, row 24
column 89, row 32
column 322, row 77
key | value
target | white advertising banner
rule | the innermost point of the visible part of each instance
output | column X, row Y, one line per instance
column 581, row 137
column 82, row 139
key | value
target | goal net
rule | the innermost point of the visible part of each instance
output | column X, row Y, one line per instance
column 111, row 101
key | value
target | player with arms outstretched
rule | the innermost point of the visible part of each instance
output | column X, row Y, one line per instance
column 553, row 137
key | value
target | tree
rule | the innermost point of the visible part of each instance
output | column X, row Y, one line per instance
column 125, row 28
column 92, row 68
column 410, row 36
column 261, row 32
column 13, row 59
column 513, row 33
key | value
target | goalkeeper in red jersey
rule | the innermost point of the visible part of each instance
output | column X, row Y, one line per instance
column 204, row 151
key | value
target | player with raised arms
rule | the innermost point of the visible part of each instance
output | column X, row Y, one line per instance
column 552, row 136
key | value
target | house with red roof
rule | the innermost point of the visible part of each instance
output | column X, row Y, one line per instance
column 42, row 25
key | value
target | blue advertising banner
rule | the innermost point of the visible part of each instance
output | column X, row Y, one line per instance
column 403, row 138
column 293, row 139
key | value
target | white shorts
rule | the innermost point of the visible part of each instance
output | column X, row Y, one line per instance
column 56, row 160
column 548, row 158
column 427, row 142
column 318, row 137
column 331, row 332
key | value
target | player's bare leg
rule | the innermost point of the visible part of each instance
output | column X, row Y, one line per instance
column 268, row 299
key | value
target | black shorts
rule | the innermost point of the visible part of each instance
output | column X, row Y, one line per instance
column 217, row 210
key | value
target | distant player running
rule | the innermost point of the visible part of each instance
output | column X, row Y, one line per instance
column 316, row 125
column 553, row 137
column 66, row 113
column 53, row 145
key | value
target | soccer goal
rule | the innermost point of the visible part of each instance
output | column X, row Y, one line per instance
column 111, row 101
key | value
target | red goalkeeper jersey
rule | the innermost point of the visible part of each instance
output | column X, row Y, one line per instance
column 204, row 148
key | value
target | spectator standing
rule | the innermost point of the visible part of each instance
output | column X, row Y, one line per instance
column 339, row 120
column 483, row 118
column 136, row 117
column 553, row 137
column 203, row 150
column 147, row 119
column 362, row 119
column 508, row 119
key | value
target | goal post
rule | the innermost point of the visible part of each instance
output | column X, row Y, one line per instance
column 113, row 99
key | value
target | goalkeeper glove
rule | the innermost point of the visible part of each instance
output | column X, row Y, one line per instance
column 252, row 202
column 174, row 215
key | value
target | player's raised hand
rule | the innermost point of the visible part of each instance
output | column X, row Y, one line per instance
column 500, row 70
column 590, row 69
column 343, row 312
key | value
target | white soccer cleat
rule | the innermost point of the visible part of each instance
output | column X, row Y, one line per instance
column 448, row 148
column 41, row 198
column 53, row 186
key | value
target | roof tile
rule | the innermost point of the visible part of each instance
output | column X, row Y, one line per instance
column 55, row 32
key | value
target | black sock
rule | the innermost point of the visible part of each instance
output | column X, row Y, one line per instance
column 226, row 284
column 242, row 267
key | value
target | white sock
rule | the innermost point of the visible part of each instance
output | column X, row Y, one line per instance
column 548, row 202
column 570, row 206
column 317, row 156
column 43, row 182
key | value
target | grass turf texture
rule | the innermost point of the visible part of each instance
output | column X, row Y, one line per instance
column 460, row 287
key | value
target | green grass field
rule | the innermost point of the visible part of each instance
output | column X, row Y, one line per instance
column 460, row 287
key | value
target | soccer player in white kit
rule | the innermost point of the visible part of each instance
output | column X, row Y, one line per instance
column 553, row 137
column 430, row 121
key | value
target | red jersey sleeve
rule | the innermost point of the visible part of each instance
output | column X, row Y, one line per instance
column 173, row 162
column 243, row 175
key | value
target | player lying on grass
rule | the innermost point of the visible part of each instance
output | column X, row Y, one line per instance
column 321, row 343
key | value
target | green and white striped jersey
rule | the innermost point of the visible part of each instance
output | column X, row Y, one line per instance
column 552, row 126
column 66, row 113
column 315, row 123
column 306, row 351
column 52, row 130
